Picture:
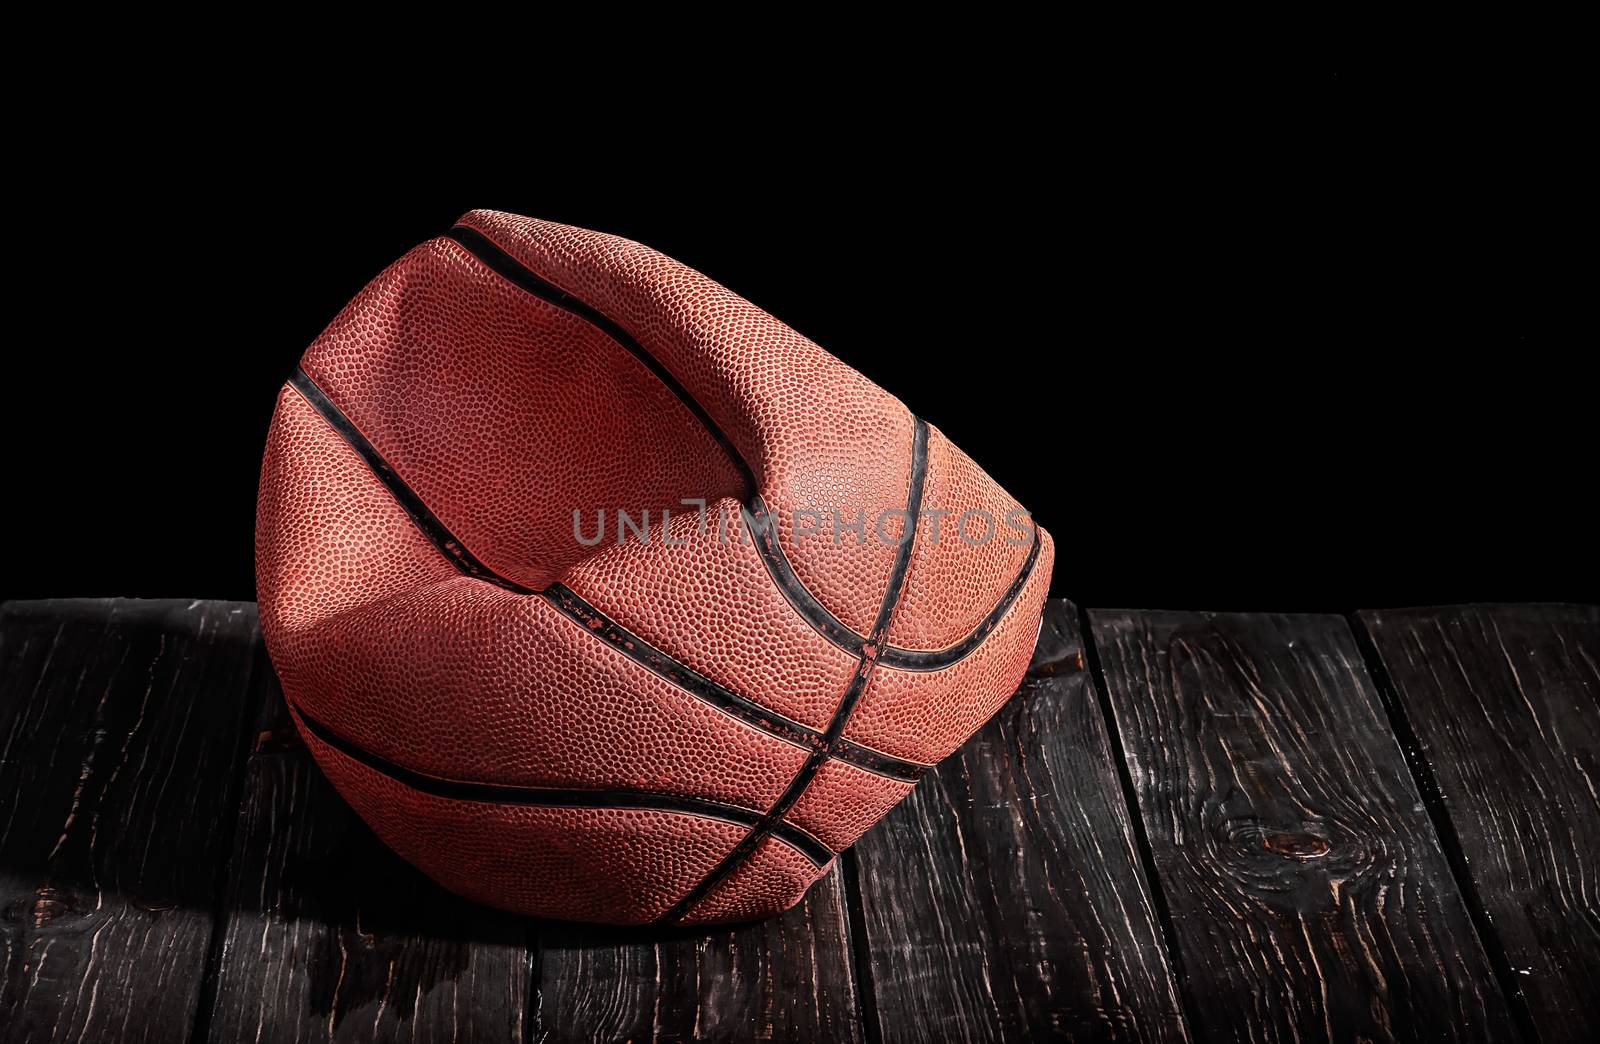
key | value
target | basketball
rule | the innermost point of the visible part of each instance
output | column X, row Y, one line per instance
column 601, row 594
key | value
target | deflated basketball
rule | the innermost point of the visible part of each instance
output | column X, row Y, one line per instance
column 601, row 594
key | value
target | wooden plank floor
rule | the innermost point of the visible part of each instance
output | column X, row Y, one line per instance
column 1185, row 826
column 1500, row 712
column 1305, row 885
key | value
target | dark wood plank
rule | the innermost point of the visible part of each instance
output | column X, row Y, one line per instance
column 331, row 936
column 121, row 739
column 1004, row 900
column 788, row 978
column 1307, row 890
column 1503, row 703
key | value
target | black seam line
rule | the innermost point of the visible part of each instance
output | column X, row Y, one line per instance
column 773, row 820
column 908, row 536
column 763, row 527
column 570, row 603
column 507, row 794
column 409, row 502
column 938, row 659
column 798, row 595
column 483, row 248
column 877, row 762
column 595, row 622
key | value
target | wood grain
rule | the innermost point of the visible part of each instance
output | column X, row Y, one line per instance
column 788, row 978
column 1003, row 900
column 330, row 936
column 121, row 738
column 1503, row 703
column 1308, row 894
column 174, row 867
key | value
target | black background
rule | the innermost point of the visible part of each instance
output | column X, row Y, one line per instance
column 1307, row 340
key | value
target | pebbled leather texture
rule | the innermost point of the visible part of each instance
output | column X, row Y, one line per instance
column 496, row 381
